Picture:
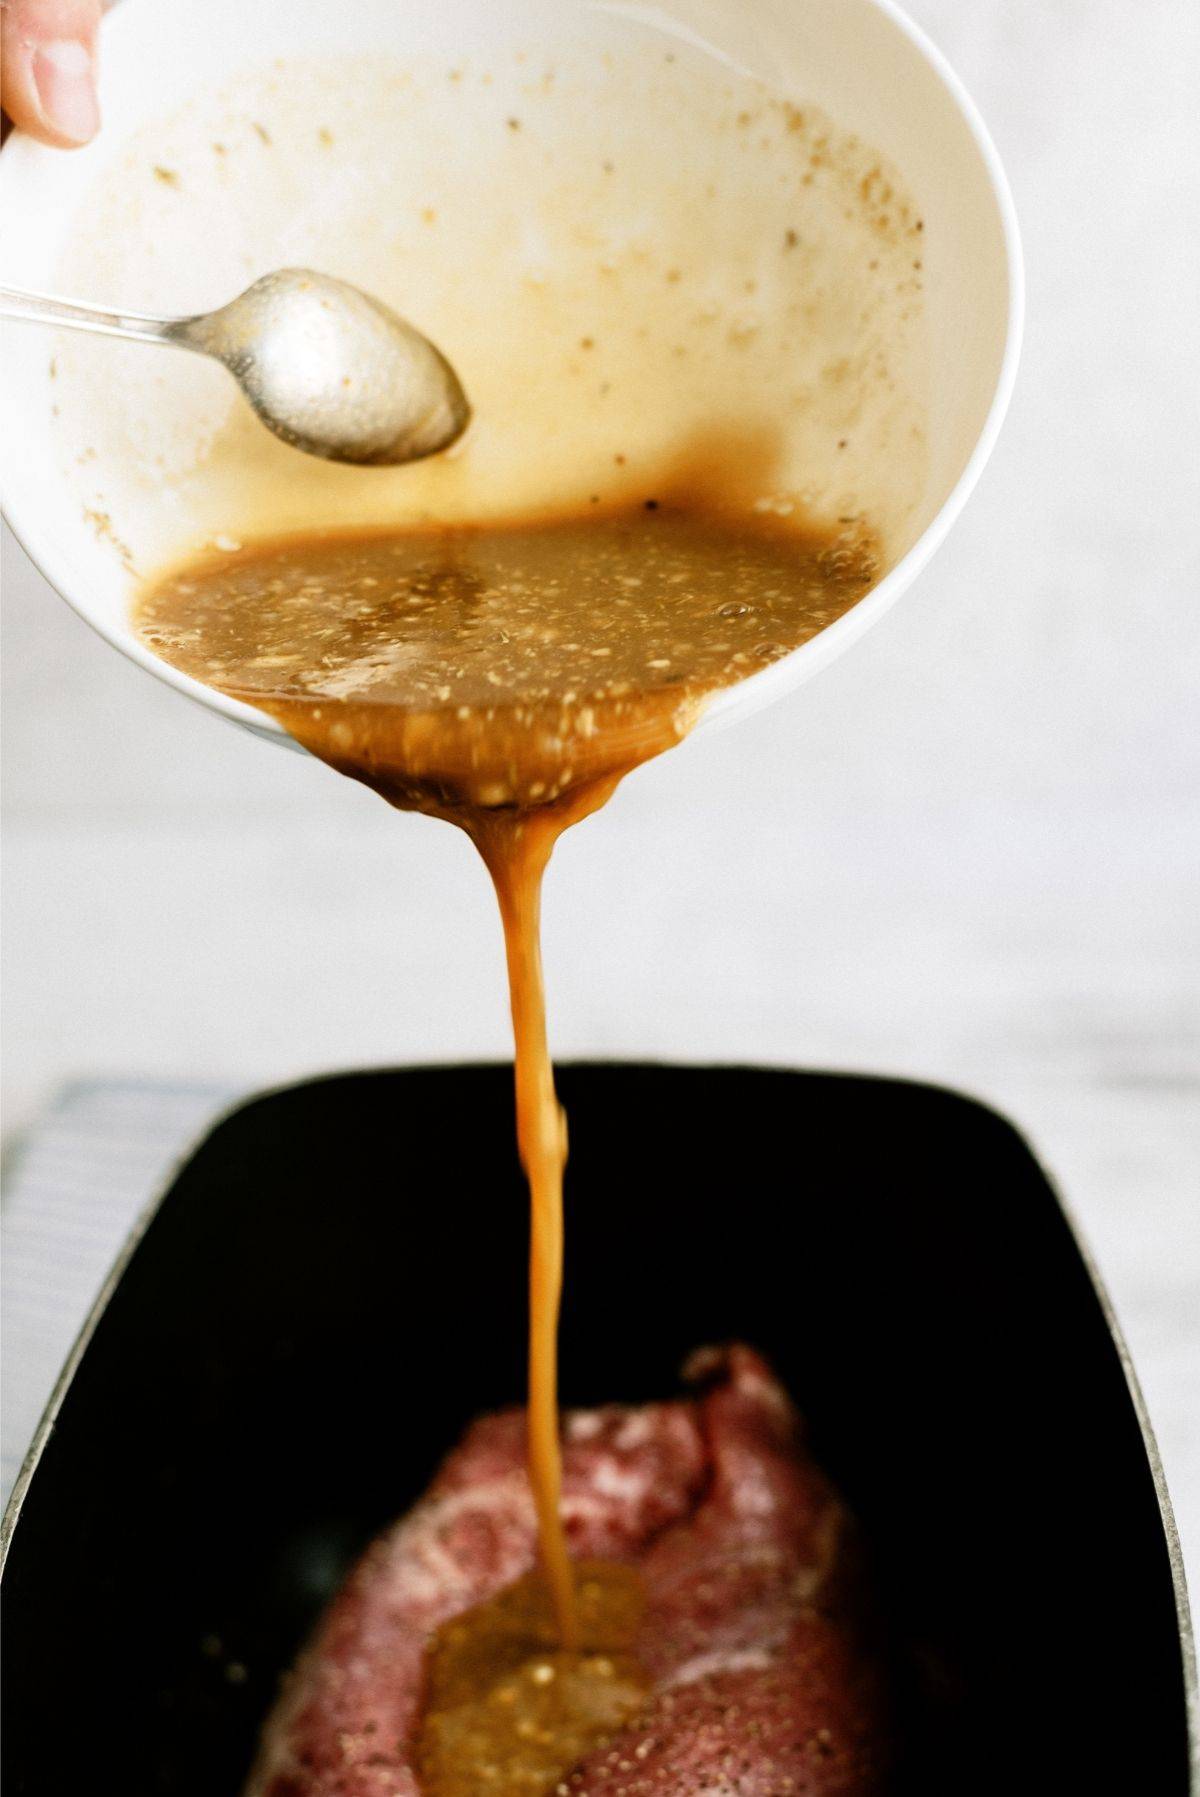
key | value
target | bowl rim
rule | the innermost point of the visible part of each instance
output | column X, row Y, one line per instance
column 749, row 695
column 757, row 690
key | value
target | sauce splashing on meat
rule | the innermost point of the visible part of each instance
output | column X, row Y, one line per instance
column 507, row 1707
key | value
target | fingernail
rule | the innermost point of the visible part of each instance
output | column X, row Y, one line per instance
column 66, row 88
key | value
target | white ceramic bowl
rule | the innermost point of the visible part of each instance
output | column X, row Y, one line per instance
column 216, row 163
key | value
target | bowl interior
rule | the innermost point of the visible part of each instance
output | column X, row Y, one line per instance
column 621, row 223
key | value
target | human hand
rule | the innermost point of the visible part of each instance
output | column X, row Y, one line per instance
column 48, row 68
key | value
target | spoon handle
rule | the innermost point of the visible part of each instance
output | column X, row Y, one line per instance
column 43, row 308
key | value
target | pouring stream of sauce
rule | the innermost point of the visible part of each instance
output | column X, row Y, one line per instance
column 506, row 679
column 516, row 850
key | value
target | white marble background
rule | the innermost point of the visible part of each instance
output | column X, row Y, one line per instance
column 969, row 852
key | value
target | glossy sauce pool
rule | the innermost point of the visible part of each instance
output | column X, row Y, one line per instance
column 506, row 678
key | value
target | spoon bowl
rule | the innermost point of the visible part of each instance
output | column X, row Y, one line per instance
column 333, row 371
column 445, row 195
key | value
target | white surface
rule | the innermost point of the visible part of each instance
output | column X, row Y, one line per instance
column 967, row 852
column 81, row 1182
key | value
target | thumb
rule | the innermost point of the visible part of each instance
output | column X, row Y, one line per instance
column 48, row 68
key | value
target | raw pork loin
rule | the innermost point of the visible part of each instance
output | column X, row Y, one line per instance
column 764, row 1680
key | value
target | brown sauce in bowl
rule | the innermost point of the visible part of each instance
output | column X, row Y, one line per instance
column 464, row 671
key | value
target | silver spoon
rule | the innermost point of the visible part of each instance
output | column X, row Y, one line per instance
column 326, row 367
